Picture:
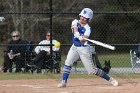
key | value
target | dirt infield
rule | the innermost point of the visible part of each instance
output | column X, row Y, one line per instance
column 96, row 85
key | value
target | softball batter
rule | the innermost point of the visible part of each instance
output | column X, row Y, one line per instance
column 81, row 49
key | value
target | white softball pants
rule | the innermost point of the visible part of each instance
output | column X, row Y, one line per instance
column 84, row 54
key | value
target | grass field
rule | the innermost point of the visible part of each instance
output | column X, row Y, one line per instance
column 26, row 76
column 117, row 60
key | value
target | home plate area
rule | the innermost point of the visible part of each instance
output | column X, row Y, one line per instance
column 96, row 85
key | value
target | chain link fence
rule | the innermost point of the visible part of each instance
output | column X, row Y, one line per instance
column 115, row 22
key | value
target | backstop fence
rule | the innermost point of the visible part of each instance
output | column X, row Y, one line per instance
column 115, row 22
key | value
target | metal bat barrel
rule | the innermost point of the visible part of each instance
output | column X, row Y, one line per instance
column 101, row 44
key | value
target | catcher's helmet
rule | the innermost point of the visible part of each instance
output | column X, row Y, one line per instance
column 87, row 13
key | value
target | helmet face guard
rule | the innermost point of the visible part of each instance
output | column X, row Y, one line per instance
column 87, row 13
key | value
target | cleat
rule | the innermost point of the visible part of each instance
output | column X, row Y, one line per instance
column 113, row 82
column 62, row 84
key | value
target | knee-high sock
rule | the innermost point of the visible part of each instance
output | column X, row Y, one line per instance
column 66, row 72
column 102, row 74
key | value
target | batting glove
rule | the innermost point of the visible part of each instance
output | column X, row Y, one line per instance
column 77, row 34
column 81, row 38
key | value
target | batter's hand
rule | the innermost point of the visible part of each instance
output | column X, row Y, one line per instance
column 77, row 34
column 81, row 38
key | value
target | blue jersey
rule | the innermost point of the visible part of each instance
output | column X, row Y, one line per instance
column 85, row 30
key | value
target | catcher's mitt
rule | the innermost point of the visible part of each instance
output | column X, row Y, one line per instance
column 106, row 67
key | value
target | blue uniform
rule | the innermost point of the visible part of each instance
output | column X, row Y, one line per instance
column 86, row 30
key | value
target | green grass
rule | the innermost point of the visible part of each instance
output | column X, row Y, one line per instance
column 27, row 76
column 19, row 76
column 117, row 60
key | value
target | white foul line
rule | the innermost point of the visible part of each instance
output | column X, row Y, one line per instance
column 22, row 85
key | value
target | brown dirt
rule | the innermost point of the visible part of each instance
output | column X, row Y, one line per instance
column 95, row 85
